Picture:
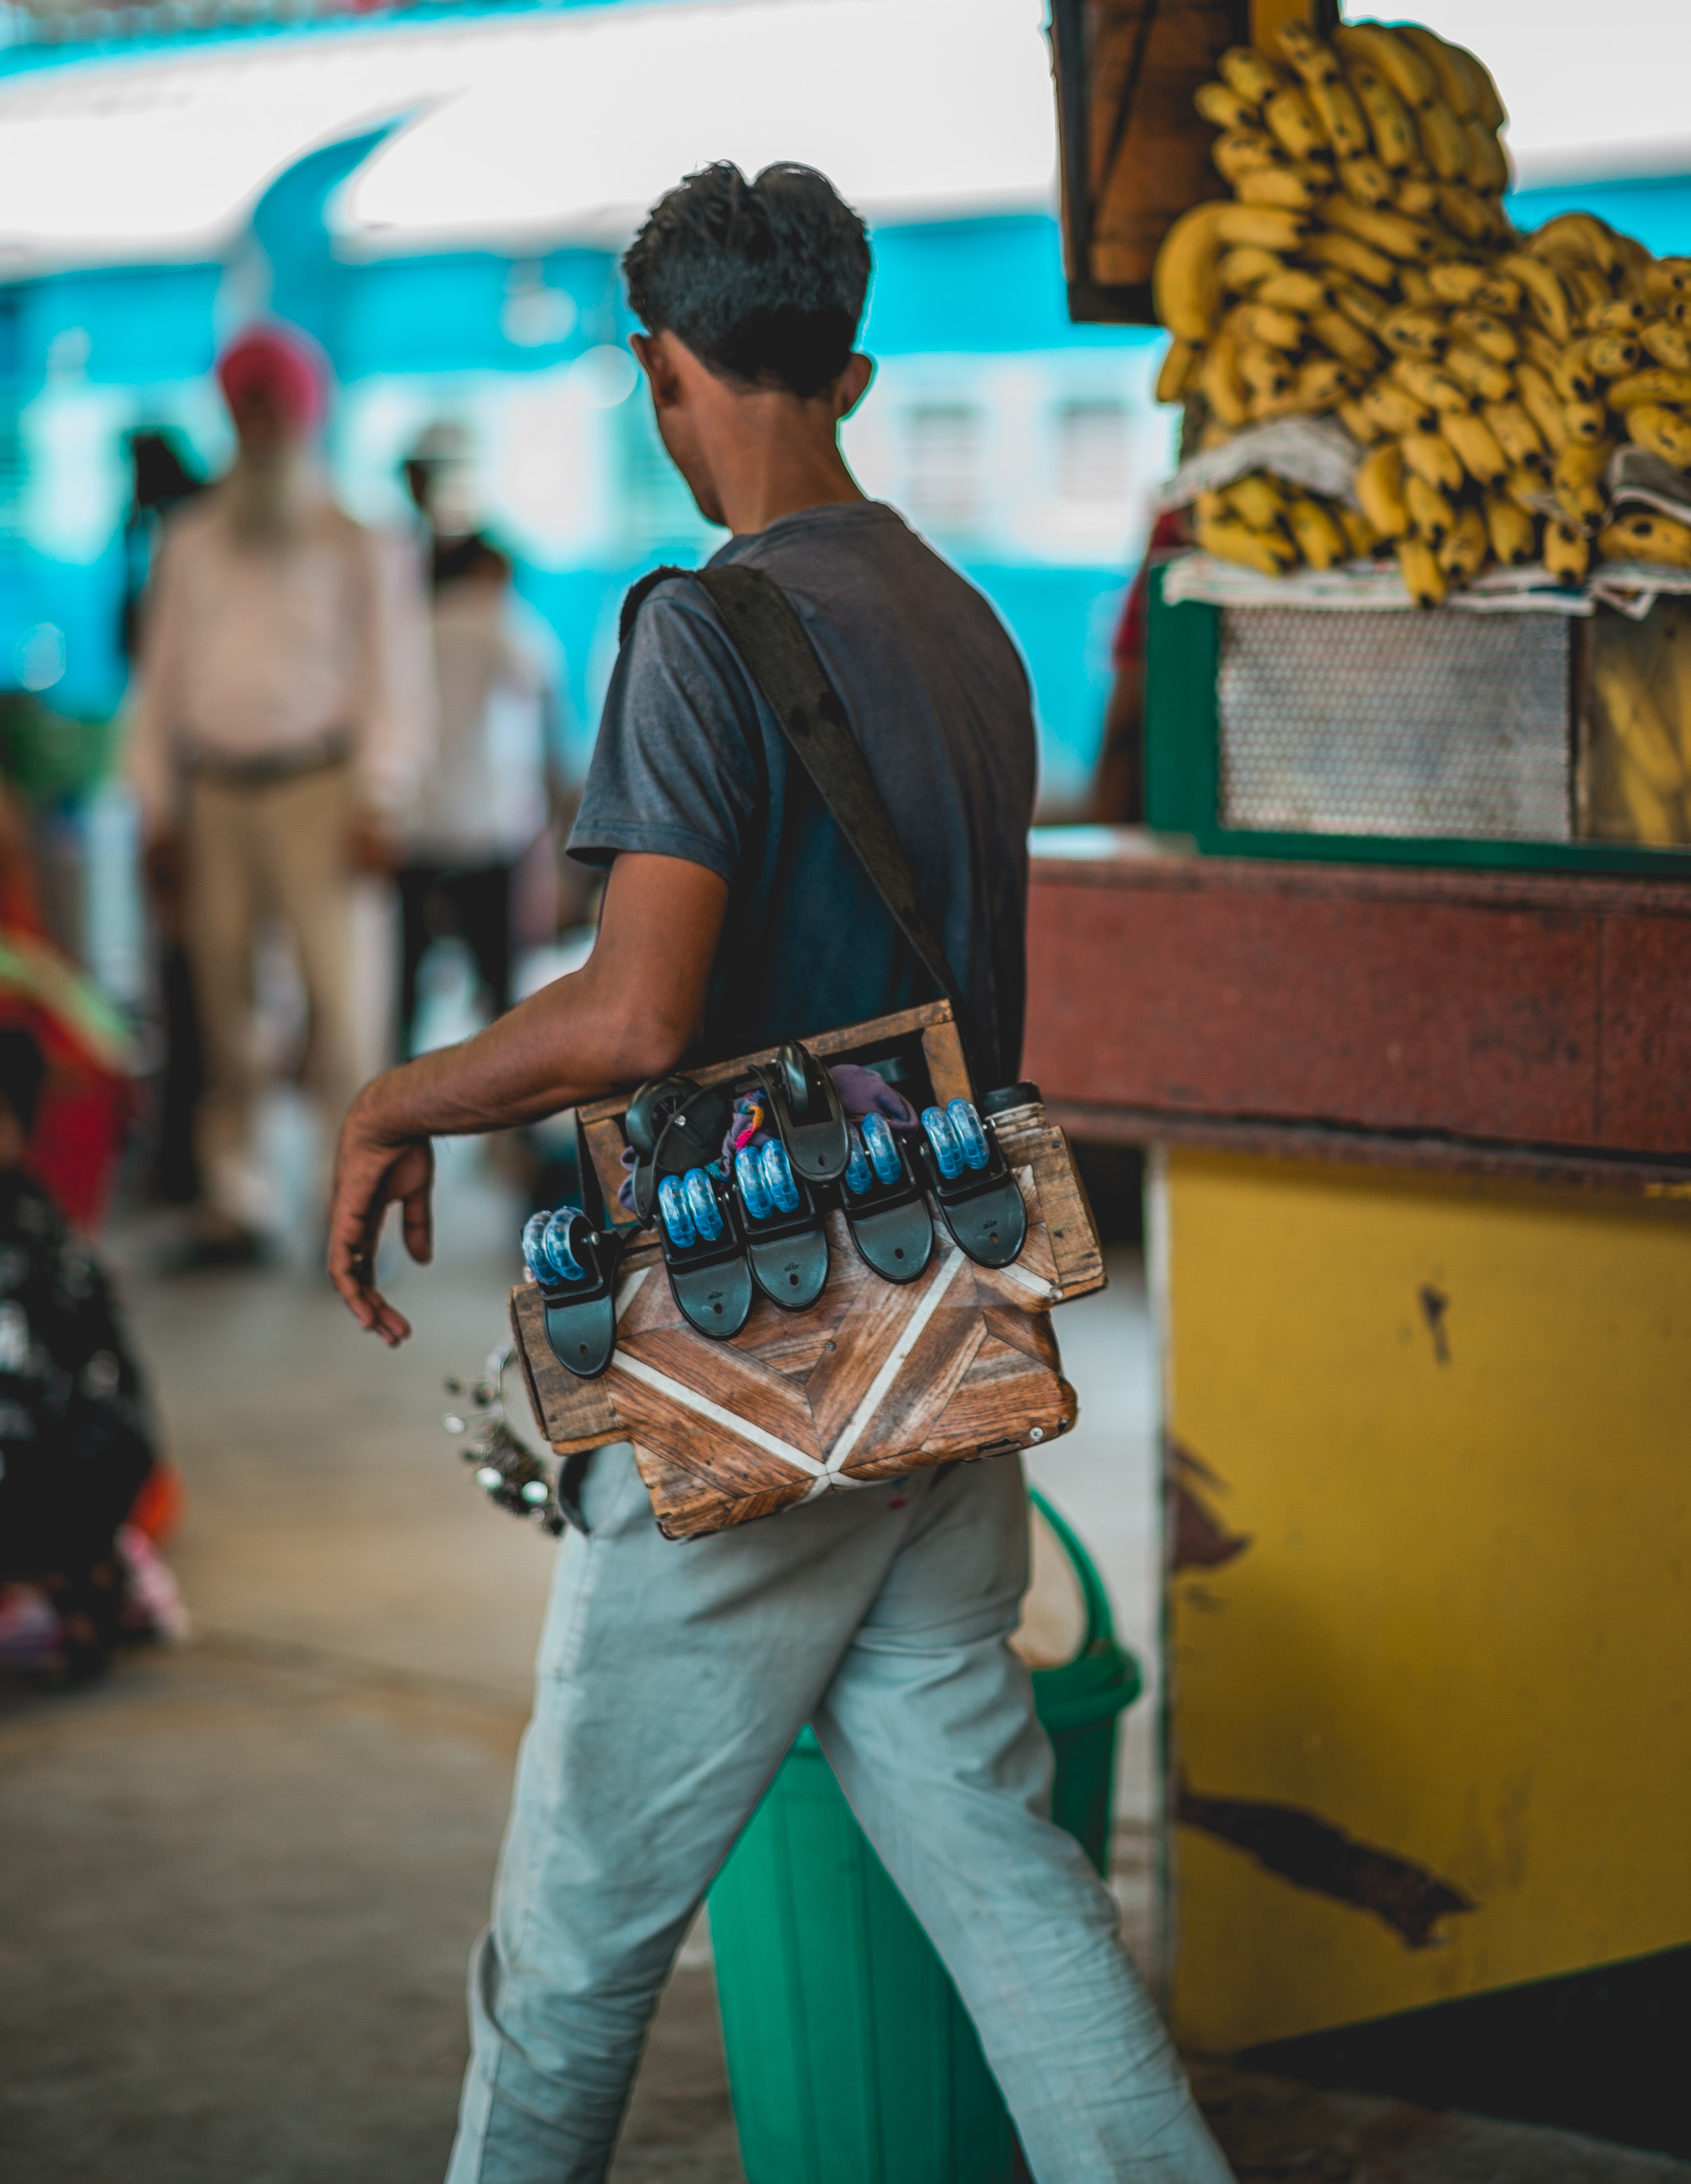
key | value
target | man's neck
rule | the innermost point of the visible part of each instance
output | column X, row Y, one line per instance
column 767, row 464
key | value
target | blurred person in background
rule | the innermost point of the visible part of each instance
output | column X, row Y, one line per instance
column 162, row 482
column 482, row 840
column 283, row 727
column 78, row 1572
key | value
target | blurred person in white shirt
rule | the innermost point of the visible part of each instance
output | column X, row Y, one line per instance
column 480, row 855
column 284, row 725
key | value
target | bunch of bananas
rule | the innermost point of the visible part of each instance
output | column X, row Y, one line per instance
column 1364, row 267
column 1271, row 526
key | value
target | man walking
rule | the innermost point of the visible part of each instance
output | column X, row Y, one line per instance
column 283, row 722
column 673, row 1679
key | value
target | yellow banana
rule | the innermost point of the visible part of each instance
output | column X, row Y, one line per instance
column 1463, row 554
column 1618, row 315
column 1380, row 489
column 1395, row 144
column 1638, row 727
column 1433, row 460
column 1502, row 295
column 1208, row 505
column 1475, row 219
column 1586, row 288
column 1513, row 534
column 1223, row 107
column 1487, row 162
column 1220, row 385
column 1292, row 118
column 1612, row 355
column 1417, row 197
column 1488, row 109
column 1582, row 235
column 1249, row 71
column 1646, row 537
column 1529, row 490
column 1379, row 230
column 1366, row 182
column 1484, row 378
column 1667, row 343
column 1393, row 410
column 1243, row 270
column 1430, row 386
column 1586, row 423
column 1341, row 116
column 1360, row 536
column 1455, row 85
column 1489, row 335
column 1230, row 540
column 1319, row 539
column 1516, row 434
column 1544, row 292
column 1575, row 476
column 1414, row 288
column 1361, row 306
column 1259, row 499
column 1293, row 289
column 1455, row 280
column 1264, row 370
column 1395, row 58
column 1277, row 185
column 1537, row 345
column 1658, row 384
column 1542, row 404
column 1262, row 322
column 1475, row 442
column 1359, row 422
column 1667, row 278
column 1322, row 384
column 1335, row 332
column 1186, row 286
column 1345, row 254
column 1418, row 565
column 1443, row 146
column 1178, row 371
column 1242, row 151
column 1567, row 555
column 1665, row 433
column 1266, row 225
column 1314, row 60
column 1415, row 331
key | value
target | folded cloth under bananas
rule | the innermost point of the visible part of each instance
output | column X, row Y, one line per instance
column 1364, row 587
column 1314, row 453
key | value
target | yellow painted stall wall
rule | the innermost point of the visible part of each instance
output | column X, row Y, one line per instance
column 1454, row 1421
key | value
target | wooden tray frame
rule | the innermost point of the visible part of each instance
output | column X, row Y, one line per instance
column 984, row 1374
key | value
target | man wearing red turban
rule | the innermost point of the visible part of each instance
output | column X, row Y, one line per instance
column 283, row 723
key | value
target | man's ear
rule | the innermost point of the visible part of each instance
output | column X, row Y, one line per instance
column 854, row 382
column 655, row 360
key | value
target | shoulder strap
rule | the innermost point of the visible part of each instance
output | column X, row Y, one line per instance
column 772, row 640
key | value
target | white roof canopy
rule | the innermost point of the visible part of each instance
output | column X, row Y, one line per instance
column 554, row 125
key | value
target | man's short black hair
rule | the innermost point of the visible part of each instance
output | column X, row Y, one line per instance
column 763, row 280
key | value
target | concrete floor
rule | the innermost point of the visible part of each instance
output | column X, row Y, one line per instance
column 238, row 1882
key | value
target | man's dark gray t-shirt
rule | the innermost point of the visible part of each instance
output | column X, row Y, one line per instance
column 691, row 763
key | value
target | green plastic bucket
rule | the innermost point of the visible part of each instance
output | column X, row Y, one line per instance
column 851, row 2058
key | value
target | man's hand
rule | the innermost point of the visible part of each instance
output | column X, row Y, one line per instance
column 631, row 1012
column 370, row 1174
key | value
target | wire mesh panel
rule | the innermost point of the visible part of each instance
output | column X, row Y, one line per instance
column 1441, row 726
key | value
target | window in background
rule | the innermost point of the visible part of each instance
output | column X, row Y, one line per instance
column 943, row 451
column 1092, row 450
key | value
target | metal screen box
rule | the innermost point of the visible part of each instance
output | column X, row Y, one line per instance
column 1445, row 727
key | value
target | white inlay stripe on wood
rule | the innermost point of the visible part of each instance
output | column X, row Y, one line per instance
column 742, row 1429
column 876, row 1393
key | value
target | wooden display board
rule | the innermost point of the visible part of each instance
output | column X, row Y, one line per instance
column 1134, row 154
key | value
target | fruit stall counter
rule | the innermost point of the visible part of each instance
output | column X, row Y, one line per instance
column 1421, row 1235
column 1398, row 993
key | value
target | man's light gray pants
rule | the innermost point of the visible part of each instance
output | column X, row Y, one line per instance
column 673, row 1677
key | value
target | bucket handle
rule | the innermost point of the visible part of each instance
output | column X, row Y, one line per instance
column 1099, row 1623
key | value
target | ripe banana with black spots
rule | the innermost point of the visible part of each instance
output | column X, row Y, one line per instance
column 1418, row 565
column 1178, row 371
column 1475, row 442
column 1658, row 384
column 1185, row 284
column 1380, row 489
column 1345, row 254
column 1433, row 460
column 1319, row 539
column 1396, row 58
column 1484, row 377
column 1221, row 106
column 1513, row 534
column 1515, row 433
column 1575, row 476
column 1230, row 540
column 1463, row 554
column 1638, row 536
column 1665, row 433
column 1568, row 553
column 1259, row 499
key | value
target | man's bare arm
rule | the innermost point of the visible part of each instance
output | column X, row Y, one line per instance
column 630, row 1012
